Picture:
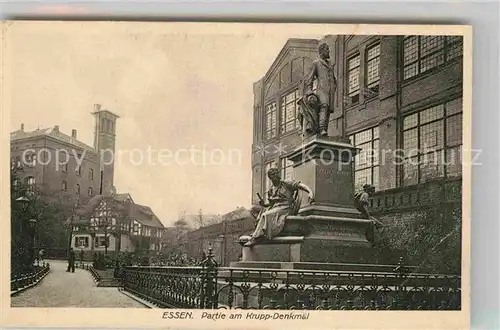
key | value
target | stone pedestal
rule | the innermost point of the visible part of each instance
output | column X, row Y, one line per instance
column 328, row 231
column 325, row 165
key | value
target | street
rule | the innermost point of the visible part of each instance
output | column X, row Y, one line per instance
column 62, row 289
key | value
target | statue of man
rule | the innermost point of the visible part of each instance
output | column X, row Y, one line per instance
column 281, row 197
column 361, row 200
column 326, row 85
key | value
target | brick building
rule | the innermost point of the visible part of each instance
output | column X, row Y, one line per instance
column 394, row 93
column 49, row 157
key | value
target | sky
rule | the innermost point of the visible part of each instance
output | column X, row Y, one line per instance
column 175, row 89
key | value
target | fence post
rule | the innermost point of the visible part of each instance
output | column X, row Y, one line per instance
column 402, row 274
column 209, row 271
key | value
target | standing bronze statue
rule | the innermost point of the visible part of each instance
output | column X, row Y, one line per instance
column 316, row 106
column 283, row 201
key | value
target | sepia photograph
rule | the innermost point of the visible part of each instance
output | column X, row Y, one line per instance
column 258, row 170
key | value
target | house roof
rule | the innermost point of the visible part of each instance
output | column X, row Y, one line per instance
column 140, row 213
column 123, row 197
column 52, row 132
column 144, row 215
column 239, row 213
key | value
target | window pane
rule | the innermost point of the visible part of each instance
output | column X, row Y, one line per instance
column 374, row 156
column 363, row 137
column 375, row 132
column 410, row 171
column 454, row 130
column 430, row 44
column 410, row 49
column 454, row 39
column 454, row 161
column 455, row 47
column 353, row 81
column 373, row 52
column 375, row 177
column 290, row 97
column 410, row 121
column 286, row 169
column 431, row 136
column 373, row 76
column 432, row 165
column 362, row 177
column 431, row 61
column 270, row 120
column 431, row 114
column 410, row 142
column 290, row 112
column 364, row 155
column 354, row 62
column 410, row 70
column 454, row 106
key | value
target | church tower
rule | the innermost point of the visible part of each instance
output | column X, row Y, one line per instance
column 104, row 145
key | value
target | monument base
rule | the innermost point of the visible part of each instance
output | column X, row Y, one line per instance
column 339, row 250
column 319, row 266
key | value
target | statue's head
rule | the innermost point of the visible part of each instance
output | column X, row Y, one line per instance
column 369, row 188
column 274, row 174
column 324, row 51
column 312, row 100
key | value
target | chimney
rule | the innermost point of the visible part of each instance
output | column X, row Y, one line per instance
column 97, row 107
column 22, row 127
column 56, row 128
column 73, row 133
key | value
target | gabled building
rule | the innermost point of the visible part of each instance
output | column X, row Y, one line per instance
column 116, row 223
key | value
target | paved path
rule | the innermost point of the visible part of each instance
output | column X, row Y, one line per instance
column 62, row 289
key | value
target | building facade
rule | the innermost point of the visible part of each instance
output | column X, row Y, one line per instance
column 54, row 161
column 116, row 223
column 398, row 98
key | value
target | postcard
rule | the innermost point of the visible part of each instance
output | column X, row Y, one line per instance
column 236, row 175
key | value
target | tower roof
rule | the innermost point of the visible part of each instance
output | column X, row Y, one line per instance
column 98, row 109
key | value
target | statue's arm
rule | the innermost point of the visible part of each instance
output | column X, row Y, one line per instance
column 364, row 204
column 308, row 190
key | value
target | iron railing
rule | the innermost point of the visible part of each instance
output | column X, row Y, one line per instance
column 23, row 281
column 212, row 287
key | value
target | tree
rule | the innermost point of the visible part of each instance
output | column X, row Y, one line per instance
column 200, row 219
column 20, row 244
column 431, row 238
column 50, row 208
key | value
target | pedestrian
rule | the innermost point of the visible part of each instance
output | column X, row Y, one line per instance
column 40, row 256
column 82, row 256
column 71, row 260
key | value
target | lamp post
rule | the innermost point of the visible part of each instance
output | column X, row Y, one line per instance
column 222, row 241
column 33, row 228
column 24, row 203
